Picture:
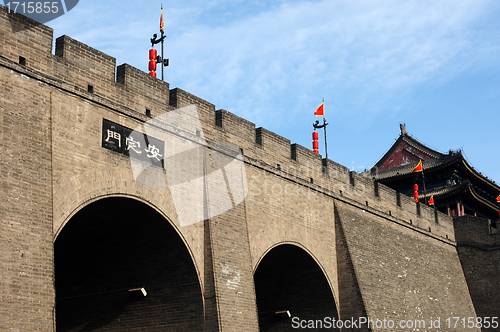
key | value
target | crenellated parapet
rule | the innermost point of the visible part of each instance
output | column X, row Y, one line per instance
column 24, row 40
column 235, row 125
column 273, row 143
column 100, row 67
column 476, row 232
column 142, row 92
column 180, row 98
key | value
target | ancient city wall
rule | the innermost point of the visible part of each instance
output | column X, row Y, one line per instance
column 382, row 254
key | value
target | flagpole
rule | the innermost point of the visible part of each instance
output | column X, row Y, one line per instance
column 423, row 181
column 420, row 168
column 162, row 39
column 155, row 40
column 324, row 127
column 498, row 202
column 318, row 126
column 162, row 67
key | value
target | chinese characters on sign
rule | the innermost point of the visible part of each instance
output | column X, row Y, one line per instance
column 132, row 143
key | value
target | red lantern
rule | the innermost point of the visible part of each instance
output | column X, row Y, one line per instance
column 315, row 142
column 152, row 54
column 152, row 62
column 415, row 192
column 152, row 65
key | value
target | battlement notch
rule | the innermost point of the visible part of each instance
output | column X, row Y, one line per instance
column 143, row 92
column 25, row 41
column 235, row 125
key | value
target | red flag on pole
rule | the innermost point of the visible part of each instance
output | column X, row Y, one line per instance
column 431, row 200
column 498, row 199
column 418, row 168
column 162, row 25
column 320, row 111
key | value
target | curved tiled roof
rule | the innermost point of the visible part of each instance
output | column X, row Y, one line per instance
column 407, row 169
column 404, row 137
column 464, row 187
column 447, row 190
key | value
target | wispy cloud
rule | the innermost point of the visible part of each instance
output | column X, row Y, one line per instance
column 362, row 53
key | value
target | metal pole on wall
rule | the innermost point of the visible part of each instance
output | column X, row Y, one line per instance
column 326, row 146
column 423, row 181
column 162, row 27
column 160, row 59
column 498, row 202
column 162, row 69
column 321, row 112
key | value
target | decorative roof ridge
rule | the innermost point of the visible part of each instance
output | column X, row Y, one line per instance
column 407, row 138
column 482, row 199
column 480, row 175
column 408, row 168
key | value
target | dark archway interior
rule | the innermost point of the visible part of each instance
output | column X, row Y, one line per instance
column 288, row 278
column 117, row 244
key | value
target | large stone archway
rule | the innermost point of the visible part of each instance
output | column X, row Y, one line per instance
column 289, row 279
column 116, row 244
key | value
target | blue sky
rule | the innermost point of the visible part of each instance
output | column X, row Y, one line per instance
column 434, row 65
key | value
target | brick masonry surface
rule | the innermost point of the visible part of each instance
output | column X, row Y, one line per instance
column 77, row 231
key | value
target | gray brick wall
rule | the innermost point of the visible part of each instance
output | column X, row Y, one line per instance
column 26, row 281
column 479, row 252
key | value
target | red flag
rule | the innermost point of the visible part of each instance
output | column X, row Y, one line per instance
column 431, row 200
column 498, row 199
column 320, row 111
column 418, row 168
column 162, row 25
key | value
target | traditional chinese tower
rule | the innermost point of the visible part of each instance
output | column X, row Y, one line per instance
column 458, row 188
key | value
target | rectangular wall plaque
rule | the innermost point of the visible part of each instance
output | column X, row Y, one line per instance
column 131, row 143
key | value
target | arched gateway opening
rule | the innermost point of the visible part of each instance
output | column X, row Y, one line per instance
column 119, row 244
column 289, row 279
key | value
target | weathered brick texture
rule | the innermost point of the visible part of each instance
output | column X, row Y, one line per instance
column 403, row 274
column 26, row 279
column 479, row 252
